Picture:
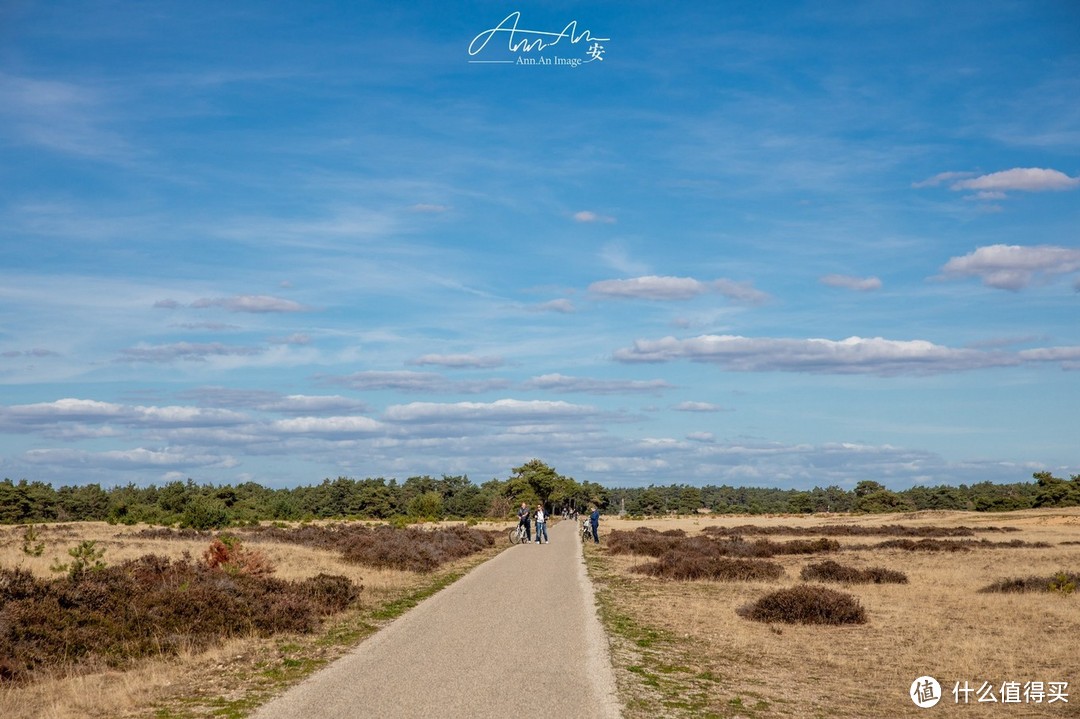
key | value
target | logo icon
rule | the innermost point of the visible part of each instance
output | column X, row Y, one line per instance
column 925, row 692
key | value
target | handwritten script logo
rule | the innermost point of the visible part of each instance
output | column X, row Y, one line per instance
column 520, row 41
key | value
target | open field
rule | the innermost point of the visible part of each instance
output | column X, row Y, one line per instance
column 682, row 650
column 233, row 676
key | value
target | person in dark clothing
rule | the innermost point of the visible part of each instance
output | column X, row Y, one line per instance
column 594, row 523
column 523, row 519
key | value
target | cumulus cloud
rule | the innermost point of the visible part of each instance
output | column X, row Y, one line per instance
column 563, row 383
column 86, row 410
column 859, row 284
column 994, row 185
column 125, row 459
column 458, row 361
column 1026, row 179
column 503, row 410
column 652, row 287
column 854, row 355
column 588, row 216
column 1013, row 267
column 251, row 303
column 326, row 426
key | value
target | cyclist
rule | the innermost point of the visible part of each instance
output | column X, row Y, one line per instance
column 523, row 520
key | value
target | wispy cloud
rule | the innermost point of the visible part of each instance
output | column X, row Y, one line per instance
column 698, row 407
column 1026, row 179
column 587, row 216
column 854, row 355
column 187, row 351
column 458, row 361
column 561, row 306
column 404, row 380
column 859, row 284
column 1014, row 267
column 258, row 304
column 563, row 383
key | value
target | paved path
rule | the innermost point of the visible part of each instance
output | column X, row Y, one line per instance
column 516, row 637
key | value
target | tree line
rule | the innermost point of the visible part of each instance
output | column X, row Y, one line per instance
column 205, row 506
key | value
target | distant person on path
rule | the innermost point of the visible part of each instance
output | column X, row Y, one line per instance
column 541, row 525
column 594, row 522
column 523, row 518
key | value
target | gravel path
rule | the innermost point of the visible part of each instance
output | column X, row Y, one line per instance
column 517, row 636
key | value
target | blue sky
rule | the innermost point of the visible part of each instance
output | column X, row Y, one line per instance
column 771, row 244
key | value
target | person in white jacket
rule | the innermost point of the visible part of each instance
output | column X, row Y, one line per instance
column 541, row 525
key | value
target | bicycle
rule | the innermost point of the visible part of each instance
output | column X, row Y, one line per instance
column 518, row 535
column 586, row 531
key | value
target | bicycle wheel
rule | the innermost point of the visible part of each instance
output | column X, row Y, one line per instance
column 515, row 536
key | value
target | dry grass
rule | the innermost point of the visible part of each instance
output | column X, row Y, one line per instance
column 682, row 650
column 235, row 676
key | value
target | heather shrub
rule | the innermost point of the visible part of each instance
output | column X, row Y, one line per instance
column 854, row 530
column 691, row 566
column 1062, row 583
column 830, row 571
column 147, row 606
column 960, row 545
column 806, row 604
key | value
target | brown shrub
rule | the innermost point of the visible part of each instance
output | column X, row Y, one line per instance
column 686, row 566
column 830, row 571
column 806, row 604
column 949, row 545
column 855, row 530
column 650, row 543
column 384, row 546
column 146, row 606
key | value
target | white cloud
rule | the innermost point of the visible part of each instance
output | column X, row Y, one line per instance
column 650, row 287
column 458, row 361
column 326, row 426
column 854, row 355
column 740, row 291
column 563, row 383
column 1013, row 267
column 1026, row 179
column 698, row 407
column 503, row 410
column 428, row 208
column 859, row 284
column 124, row 459
column 588, row 216
column 251, row 303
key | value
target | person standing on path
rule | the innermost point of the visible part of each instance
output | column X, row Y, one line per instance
column 541, row 525
column 594, row 523
column 523, row 518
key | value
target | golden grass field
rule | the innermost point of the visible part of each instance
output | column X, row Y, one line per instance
column 681, row 650
column 231, row 679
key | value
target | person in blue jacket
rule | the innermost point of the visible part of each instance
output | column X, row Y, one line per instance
column 594, row 523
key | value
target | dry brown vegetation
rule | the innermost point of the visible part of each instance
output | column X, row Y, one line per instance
column 681, row 648
column 237, row 624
